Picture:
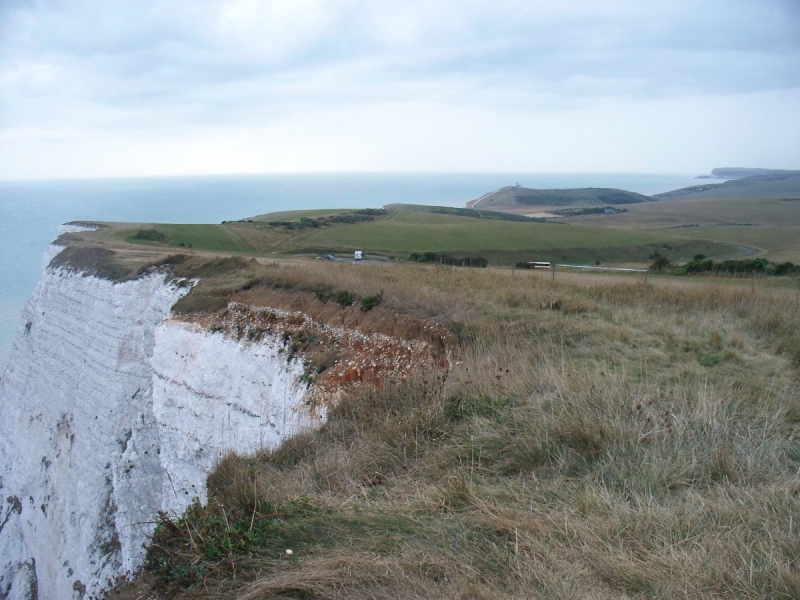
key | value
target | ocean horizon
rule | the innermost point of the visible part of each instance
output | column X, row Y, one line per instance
column 31, row 211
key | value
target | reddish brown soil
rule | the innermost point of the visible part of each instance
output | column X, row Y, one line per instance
column 342, row 348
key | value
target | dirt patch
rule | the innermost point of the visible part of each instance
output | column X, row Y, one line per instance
column 377, row 320
column 342, row 348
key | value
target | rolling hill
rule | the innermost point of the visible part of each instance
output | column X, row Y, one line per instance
column 512, row 196
column 400, row 231
column 769, row 184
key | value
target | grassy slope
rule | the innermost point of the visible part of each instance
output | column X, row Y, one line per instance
column 772, row 185
column 214, row 238
column 779, row 243
column 775, row 223
column 405, row 232
column 401, row 233
column 294, row 215
column 605, row 440
column 461, row 212
column 724, row 211
column 514, row 197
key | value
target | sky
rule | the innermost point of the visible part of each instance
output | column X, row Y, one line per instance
column 152, row 87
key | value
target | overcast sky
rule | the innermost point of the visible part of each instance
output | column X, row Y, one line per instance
column 117, row 88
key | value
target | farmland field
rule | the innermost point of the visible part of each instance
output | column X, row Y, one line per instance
column 770, row 224
column 399, row 233
column 204, row 237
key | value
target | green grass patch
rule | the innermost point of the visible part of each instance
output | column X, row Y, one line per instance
column 92, row 261
column 215, row 238
column 402, row 233
column 296, row 215
column 465, row 212
column 149, row 235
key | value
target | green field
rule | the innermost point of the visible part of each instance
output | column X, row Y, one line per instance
column 773, row 184
column 724, row 211
column 295, row 215
column 511, row 196
column 778, row 243
column 216, row 238
column 400, row 233
column 772, row 225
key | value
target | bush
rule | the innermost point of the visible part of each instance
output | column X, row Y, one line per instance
column 342, row 297
column 743, row 267
column 446, row 259
column 370, row 302
column 150, row 235
column 660, row 263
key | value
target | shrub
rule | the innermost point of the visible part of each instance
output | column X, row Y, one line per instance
column 446, row 259
column 660, row 263
column 700, row 264
column 341, row 297
column 150, row 235
column 370, row 302
column 344, row 298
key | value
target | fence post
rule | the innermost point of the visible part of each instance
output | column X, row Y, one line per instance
column 645, row 276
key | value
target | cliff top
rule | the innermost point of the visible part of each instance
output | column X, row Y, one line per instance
column 515, row 196
column 582, row 434
column 395, row 232
column 745, row 183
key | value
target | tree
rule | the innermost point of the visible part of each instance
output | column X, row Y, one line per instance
column 660, row 263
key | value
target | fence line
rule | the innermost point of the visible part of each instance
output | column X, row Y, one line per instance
column 603, row 268
column 592, row 267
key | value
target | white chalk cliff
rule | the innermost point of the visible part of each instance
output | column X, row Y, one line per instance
column 111, row 412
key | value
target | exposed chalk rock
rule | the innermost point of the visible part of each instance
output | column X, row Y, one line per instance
column 213, row 395
column 110, row 413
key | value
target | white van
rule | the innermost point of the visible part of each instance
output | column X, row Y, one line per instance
column 359, row 255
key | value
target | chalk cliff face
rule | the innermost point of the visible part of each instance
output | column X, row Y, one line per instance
column 213, row 395
column 111, row 412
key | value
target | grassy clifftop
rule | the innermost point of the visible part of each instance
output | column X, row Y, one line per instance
column 396, row 233
column 768, row 184
column 510, row 196
column 591, row 437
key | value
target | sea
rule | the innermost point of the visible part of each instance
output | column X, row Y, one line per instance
column 31, row 211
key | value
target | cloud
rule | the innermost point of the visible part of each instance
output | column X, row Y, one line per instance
column 177, row 68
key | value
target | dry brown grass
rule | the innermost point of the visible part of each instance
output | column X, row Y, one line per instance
column 594, row 438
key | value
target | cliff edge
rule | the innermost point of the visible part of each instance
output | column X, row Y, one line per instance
column 115, row 409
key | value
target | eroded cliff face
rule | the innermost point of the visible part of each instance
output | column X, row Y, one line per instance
column 213, row 395
column 79, row 451
column 111, row 411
